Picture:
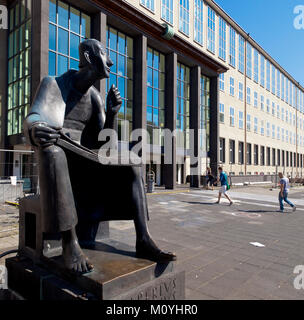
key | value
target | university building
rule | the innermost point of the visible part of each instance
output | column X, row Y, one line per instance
column 178, row 64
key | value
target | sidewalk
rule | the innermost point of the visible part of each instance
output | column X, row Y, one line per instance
column 212, row 242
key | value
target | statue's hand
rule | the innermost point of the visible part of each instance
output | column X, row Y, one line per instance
column 113, row 100
column 43, row 135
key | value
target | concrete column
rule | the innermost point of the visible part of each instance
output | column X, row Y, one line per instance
column 3, row 91
column 195, row 125
column 170, row 117
column 140, row 88
column 40, row 42
column 214, row 124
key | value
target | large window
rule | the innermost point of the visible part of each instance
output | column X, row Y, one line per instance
column 283, row 86
column 205, row 112
column 262, row 162
column 183, row 101
column 167, row 10
column 255, row 129
column 149, row 4
column 155, row 94
column 198, row 21
column 222, row 38
column 256, row 155
column 286, row 91
column 222, row 112
column 256, row 66
column 231, row 86
column 231, row 151
column 184, row 16
column 241, row 91
column 241, row 152
column 222, row 81
column 262, row 127
column 268, row 75
column 232, row 47
column 231, row 113
column 262, row 70
column 241, row 120
column 273, row 79
column 241, row 53
column 268, row 157
column 278, row 83
column 248, row 95
column 249, row 154
column 211, row 30
column 67, row 28
column 120, row 50
column 248, row 123
column 19, row 65
column 249, row 61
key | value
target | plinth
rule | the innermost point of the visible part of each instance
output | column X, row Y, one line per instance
column 117, row 274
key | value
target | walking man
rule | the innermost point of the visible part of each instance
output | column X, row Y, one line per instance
column 284, row 189
column 224, row 184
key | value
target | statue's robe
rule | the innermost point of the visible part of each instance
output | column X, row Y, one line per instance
column 75, row 188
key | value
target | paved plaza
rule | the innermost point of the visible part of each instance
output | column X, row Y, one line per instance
column 213, row 241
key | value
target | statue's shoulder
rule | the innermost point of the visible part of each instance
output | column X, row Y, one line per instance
column 48, row 81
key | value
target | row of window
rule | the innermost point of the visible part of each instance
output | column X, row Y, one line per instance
column 277, row 111
column 258, row 155
column 271, row 130
column 276, row 82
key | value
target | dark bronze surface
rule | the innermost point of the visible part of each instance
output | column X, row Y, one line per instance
column 77, row 190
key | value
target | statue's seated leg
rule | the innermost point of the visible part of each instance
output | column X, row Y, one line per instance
column 145, row 246
column 58, row 205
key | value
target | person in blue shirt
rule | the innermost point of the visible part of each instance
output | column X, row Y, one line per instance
column 223, row 189
column 284, row 189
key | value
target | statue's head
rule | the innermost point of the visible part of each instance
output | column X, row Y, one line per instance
column 93, row 55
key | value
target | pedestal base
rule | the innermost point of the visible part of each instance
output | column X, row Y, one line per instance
column 117, row 274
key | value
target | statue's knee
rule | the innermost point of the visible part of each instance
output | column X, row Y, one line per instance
column 52, row 152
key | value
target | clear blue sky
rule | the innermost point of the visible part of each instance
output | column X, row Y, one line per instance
column 270, row 23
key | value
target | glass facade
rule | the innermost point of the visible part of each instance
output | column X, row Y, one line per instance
column 155, row 94
column 256, row 66
column 120, row 50
column 211, row 30
column 222, row 81
column 205, row 112
column 19, row 65
column 232, row 47
column 148, row 4
column 283, row 87
column 241, row 53
column 278, row 84
column 198, row 21
column 222, row 38
column 273, row 79
column 249, row 61
column 67, row 28
column 167, row 10
column 184, row 16
column 268, row 75
column 262, row 71
column 183, row 104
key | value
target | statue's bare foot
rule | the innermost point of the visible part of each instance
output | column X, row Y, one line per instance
column 74, row 258
column 147, row 249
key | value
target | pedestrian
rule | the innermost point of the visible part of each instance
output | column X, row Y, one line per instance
column 224, row 186
column 283, row 195
column 210, row 178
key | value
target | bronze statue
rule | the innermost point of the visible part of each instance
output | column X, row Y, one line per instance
column 69, row 111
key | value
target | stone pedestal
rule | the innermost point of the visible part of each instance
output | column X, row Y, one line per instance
column 117, row 274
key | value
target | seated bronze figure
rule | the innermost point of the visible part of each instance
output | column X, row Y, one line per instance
column 69, row 111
